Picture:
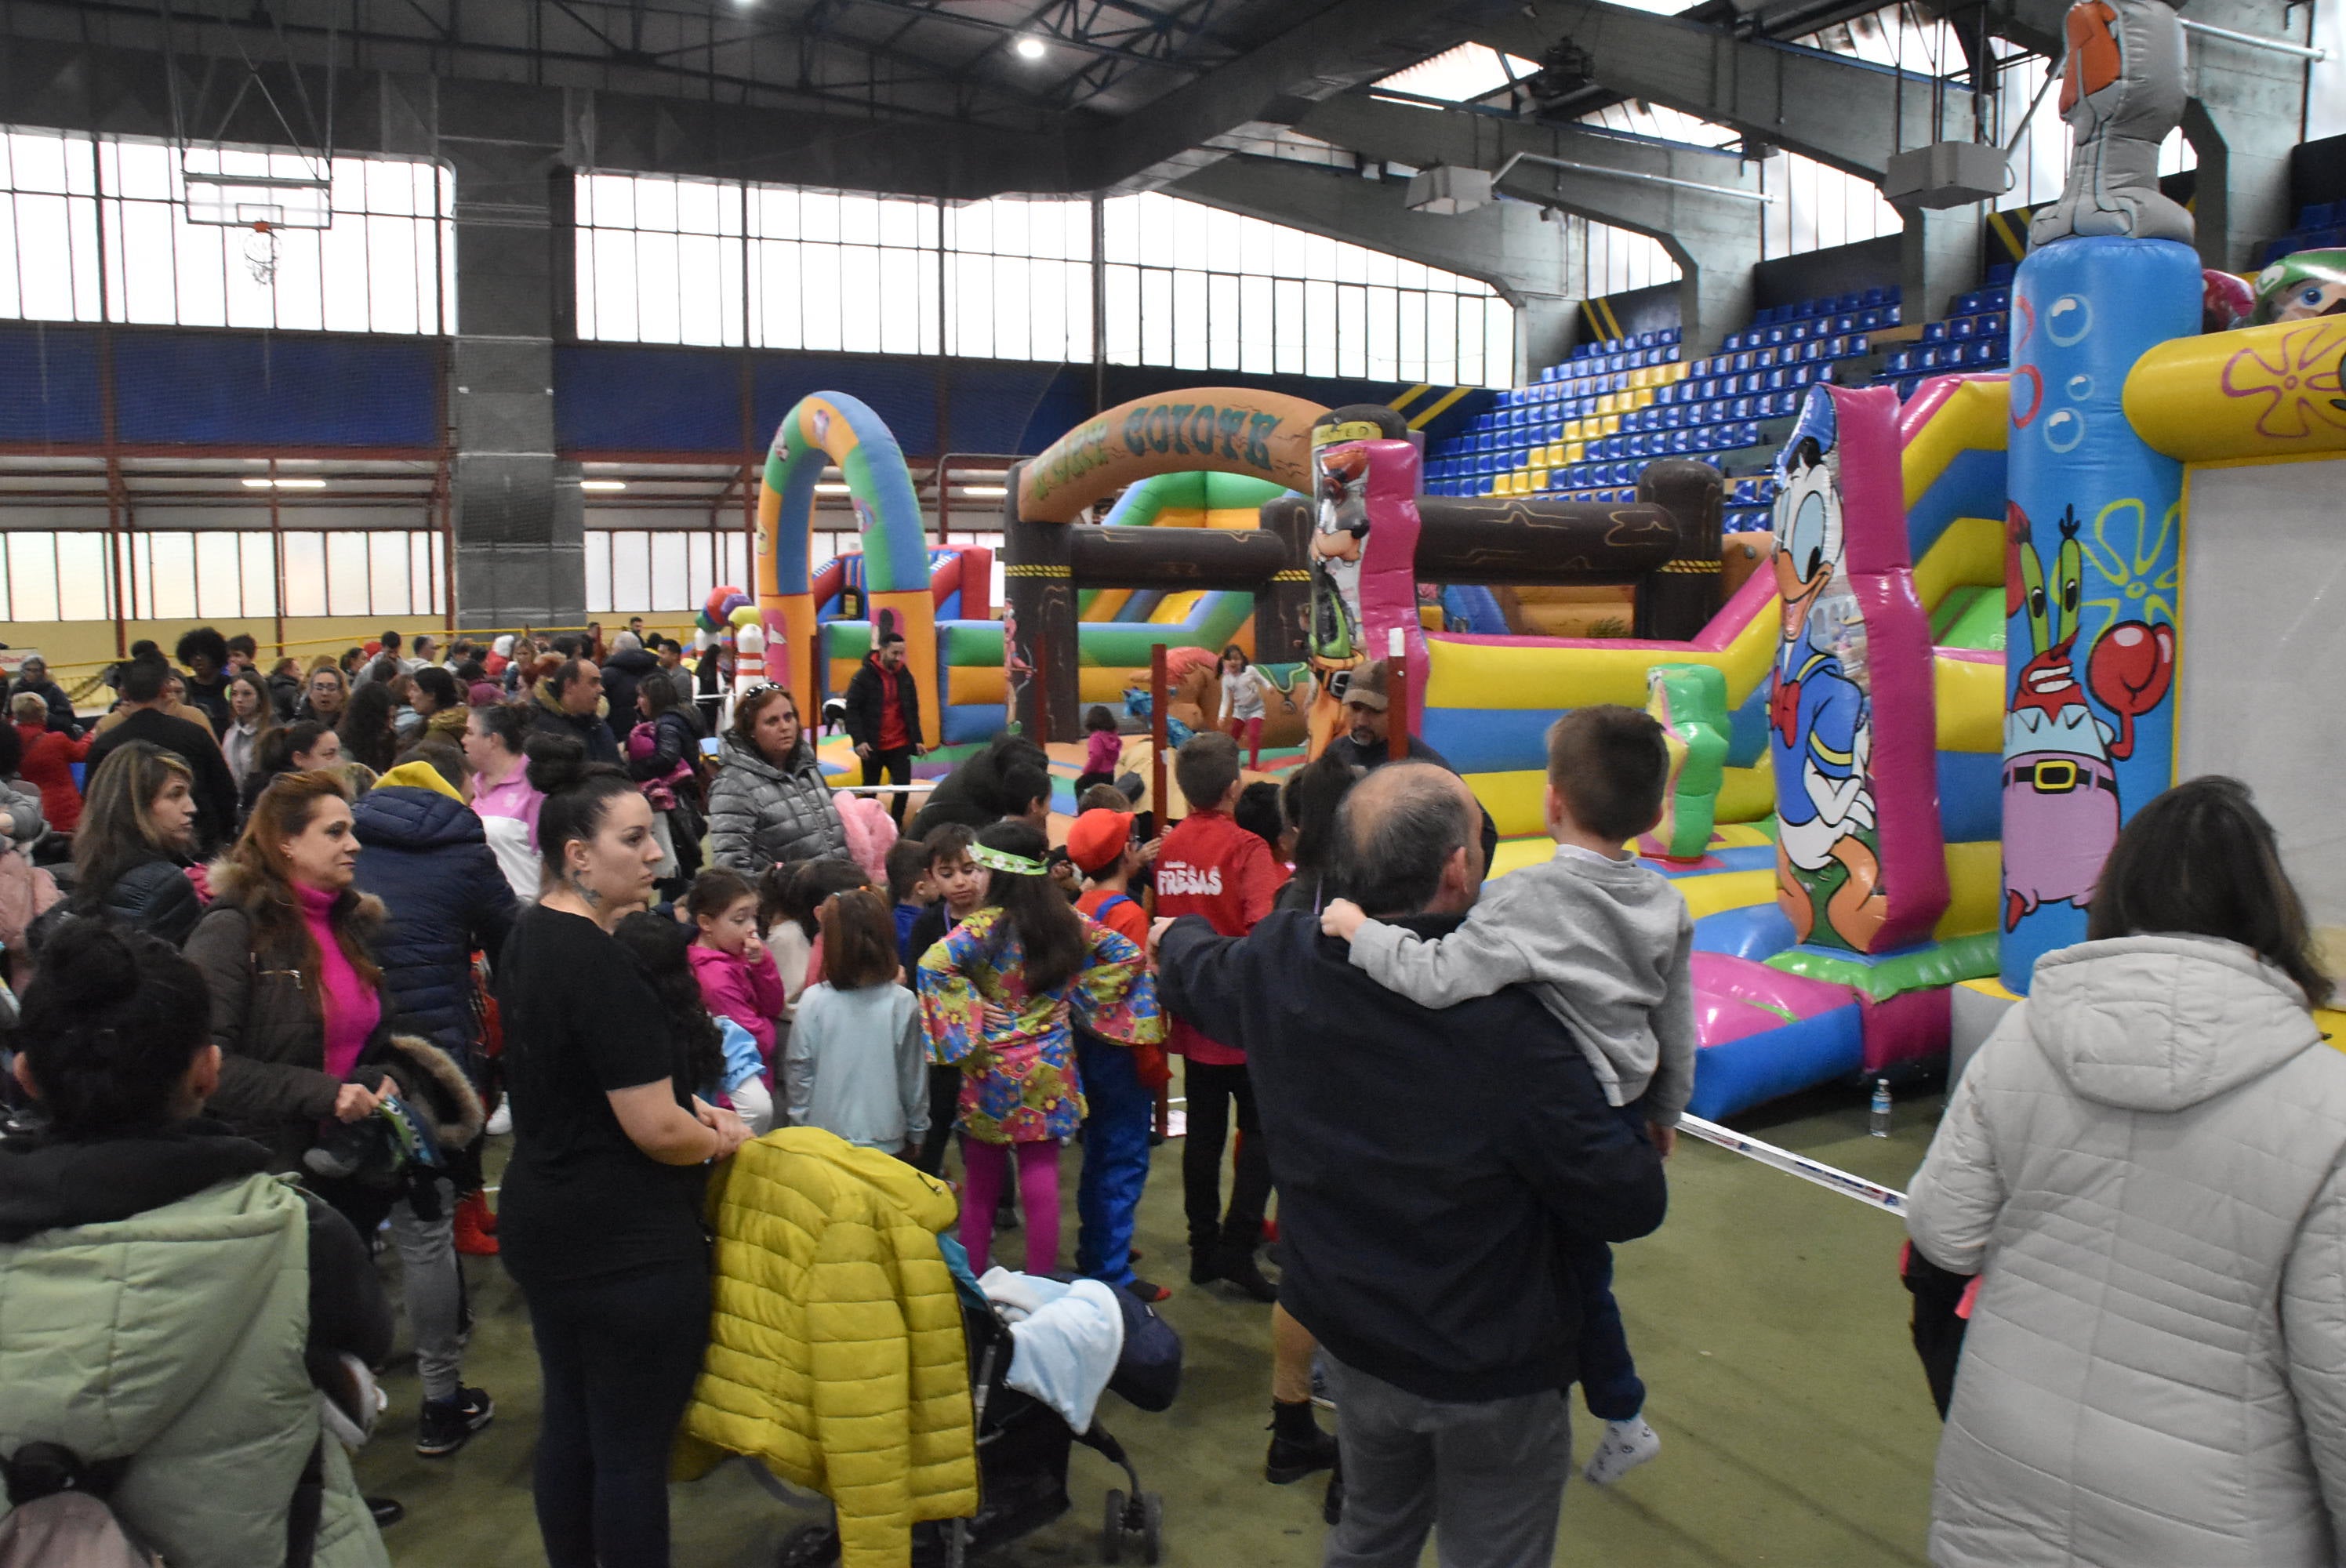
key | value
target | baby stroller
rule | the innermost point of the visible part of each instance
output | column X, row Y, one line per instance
column 1022, row 1446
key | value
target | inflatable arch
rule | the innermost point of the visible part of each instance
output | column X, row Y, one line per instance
column 1224, row 430
column 823, row 429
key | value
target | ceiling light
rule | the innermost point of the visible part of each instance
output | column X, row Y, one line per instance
column 993, row 490
column 285, row 484
column 1029, row 48
column 602, row 484
column 830, row 490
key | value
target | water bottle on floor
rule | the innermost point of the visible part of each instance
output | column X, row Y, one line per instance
column 1878, row 1122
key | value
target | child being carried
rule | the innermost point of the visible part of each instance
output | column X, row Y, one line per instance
column 1607, row 946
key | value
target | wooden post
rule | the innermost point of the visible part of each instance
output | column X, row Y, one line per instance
column 1157, row 728
column 1396, row 697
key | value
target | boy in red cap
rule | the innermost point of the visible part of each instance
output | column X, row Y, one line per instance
column 1120, row 1083
column 1212, row 866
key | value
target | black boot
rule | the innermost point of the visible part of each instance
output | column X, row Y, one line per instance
column 1237, row 1265
column 1298, row 1446
column 1205, row 1265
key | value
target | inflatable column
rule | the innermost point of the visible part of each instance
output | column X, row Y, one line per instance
column 2092, row 561
column 2091, row 570
column 1364, row 562
column 1860, row 865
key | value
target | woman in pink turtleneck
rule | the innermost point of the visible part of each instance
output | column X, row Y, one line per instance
column 297, row 1001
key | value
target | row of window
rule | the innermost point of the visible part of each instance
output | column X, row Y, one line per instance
column 1183, row 285
column 672, row 570
column 93, row 230
column 220, row 574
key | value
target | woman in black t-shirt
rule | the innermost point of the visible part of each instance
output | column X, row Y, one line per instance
column 600, row 1214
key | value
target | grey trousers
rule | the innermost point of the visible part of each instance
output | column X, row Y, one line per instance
column 434, row 1295
column 1486, row 1479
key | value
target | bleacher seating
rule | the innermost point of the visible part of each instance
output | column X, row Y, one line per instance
column 1587, row 427
column 1976, row 335
column 2319, row 227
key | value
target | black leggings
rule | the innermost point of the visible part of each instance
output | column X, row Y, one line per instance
column 617, row 1359
column 1211, row 1091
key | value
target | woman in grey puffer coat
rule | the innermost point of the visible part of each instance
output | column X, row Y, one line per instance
column 2147, row 1165
column 772, row 801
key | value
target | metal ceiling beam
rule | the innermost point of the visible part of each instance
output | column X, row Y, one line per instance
column 1348, row 44
column 1839, row 111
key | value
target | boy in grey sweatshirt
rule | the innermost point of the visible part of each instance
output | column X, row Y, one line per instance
column 1607, row 946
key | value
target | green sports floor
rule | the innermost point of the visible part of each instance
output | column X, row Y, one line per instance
column 1766, row 1315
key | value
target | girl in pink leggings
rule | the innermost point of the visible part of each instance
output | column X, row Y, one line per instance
column 998, row 997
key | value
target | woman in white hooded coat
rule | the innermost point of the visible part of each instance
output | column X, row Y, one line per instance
column 2147, row 1165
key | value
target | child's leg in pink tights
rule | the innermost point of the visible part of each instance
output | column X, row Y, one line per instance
column 1038, row 1195
column 984, row 1168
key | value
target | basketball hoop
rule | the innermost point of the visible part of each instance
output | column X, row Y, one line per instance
column 260, row 254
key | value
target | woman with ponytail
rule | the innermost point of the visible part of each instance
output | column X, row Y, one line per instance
column 599, row 1218
column 1001, row 996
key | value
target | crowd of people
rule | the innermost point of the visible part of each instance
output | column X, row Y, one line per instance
column 344, row 924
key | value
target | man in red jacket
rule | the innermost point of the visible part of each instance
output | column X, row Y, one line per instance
column 1212, row 866
column 884, row 717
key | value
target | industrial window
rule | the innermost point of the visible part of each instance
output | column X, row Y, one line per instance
column 220, row 574
column 97, row 230
column 1188, row 286
column 1196, row 288
column 666, row 570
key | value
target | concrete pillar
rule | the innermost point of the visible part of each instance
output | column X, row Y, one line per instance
column 519, row 517
column 2242, row 121
column 1546, row 326
column 1697, row 202
column 1938, row 259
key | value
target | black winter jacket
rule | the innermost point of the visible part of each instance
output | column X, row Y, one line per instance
column 154, row 895
column 546, row 714
column 972, row 793
column 623, row 675
column 867, row 698
column 1428, row 1162
column 426, row 856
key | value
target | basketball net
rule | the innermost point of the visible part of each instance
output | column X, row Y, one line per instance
column 260, row 254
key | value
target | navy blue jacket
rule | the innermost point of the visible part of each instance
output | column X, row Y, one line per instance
column 425, row 856
column 1429, row 1162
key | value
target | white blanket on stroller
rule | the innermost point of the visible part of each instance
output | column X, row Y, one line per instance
column 1064, row 1340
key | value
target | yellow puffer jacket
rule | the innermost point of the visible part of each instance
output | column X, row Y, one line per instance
column 835, row 1351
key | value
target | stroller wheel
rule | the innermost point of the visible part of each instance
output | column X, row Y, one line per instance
column 809, row 1546
column 1112, row 1530
column 1152, row 1526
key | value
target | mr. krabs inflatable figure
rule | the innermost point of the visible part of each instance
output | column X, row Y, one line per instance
column 2060, row 791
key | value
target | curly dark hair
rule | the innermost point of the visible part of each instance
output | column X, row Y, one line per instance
column 660, row 948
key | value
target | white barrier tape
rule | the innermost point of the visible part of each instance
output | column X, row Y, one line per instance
column 1888, row 1199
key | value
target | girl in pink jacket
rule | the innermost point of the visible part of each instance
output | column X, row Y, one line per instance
column 730, row 960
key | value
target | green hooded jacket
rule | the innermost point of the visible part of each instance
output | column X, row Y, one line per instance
column 175, row 1338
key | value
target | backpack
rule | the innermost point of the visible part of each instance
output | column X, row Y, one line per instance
column 59, row 1518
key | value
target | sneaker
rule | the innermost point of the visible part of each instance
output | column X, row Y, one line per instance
column 448, row 1425
column 1291, row 1458
column 1150, row 1291
column 387, row 1511
column 1240, row 1269
column 476, row 1227
column 1625, row 1446
column 500, row 1120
